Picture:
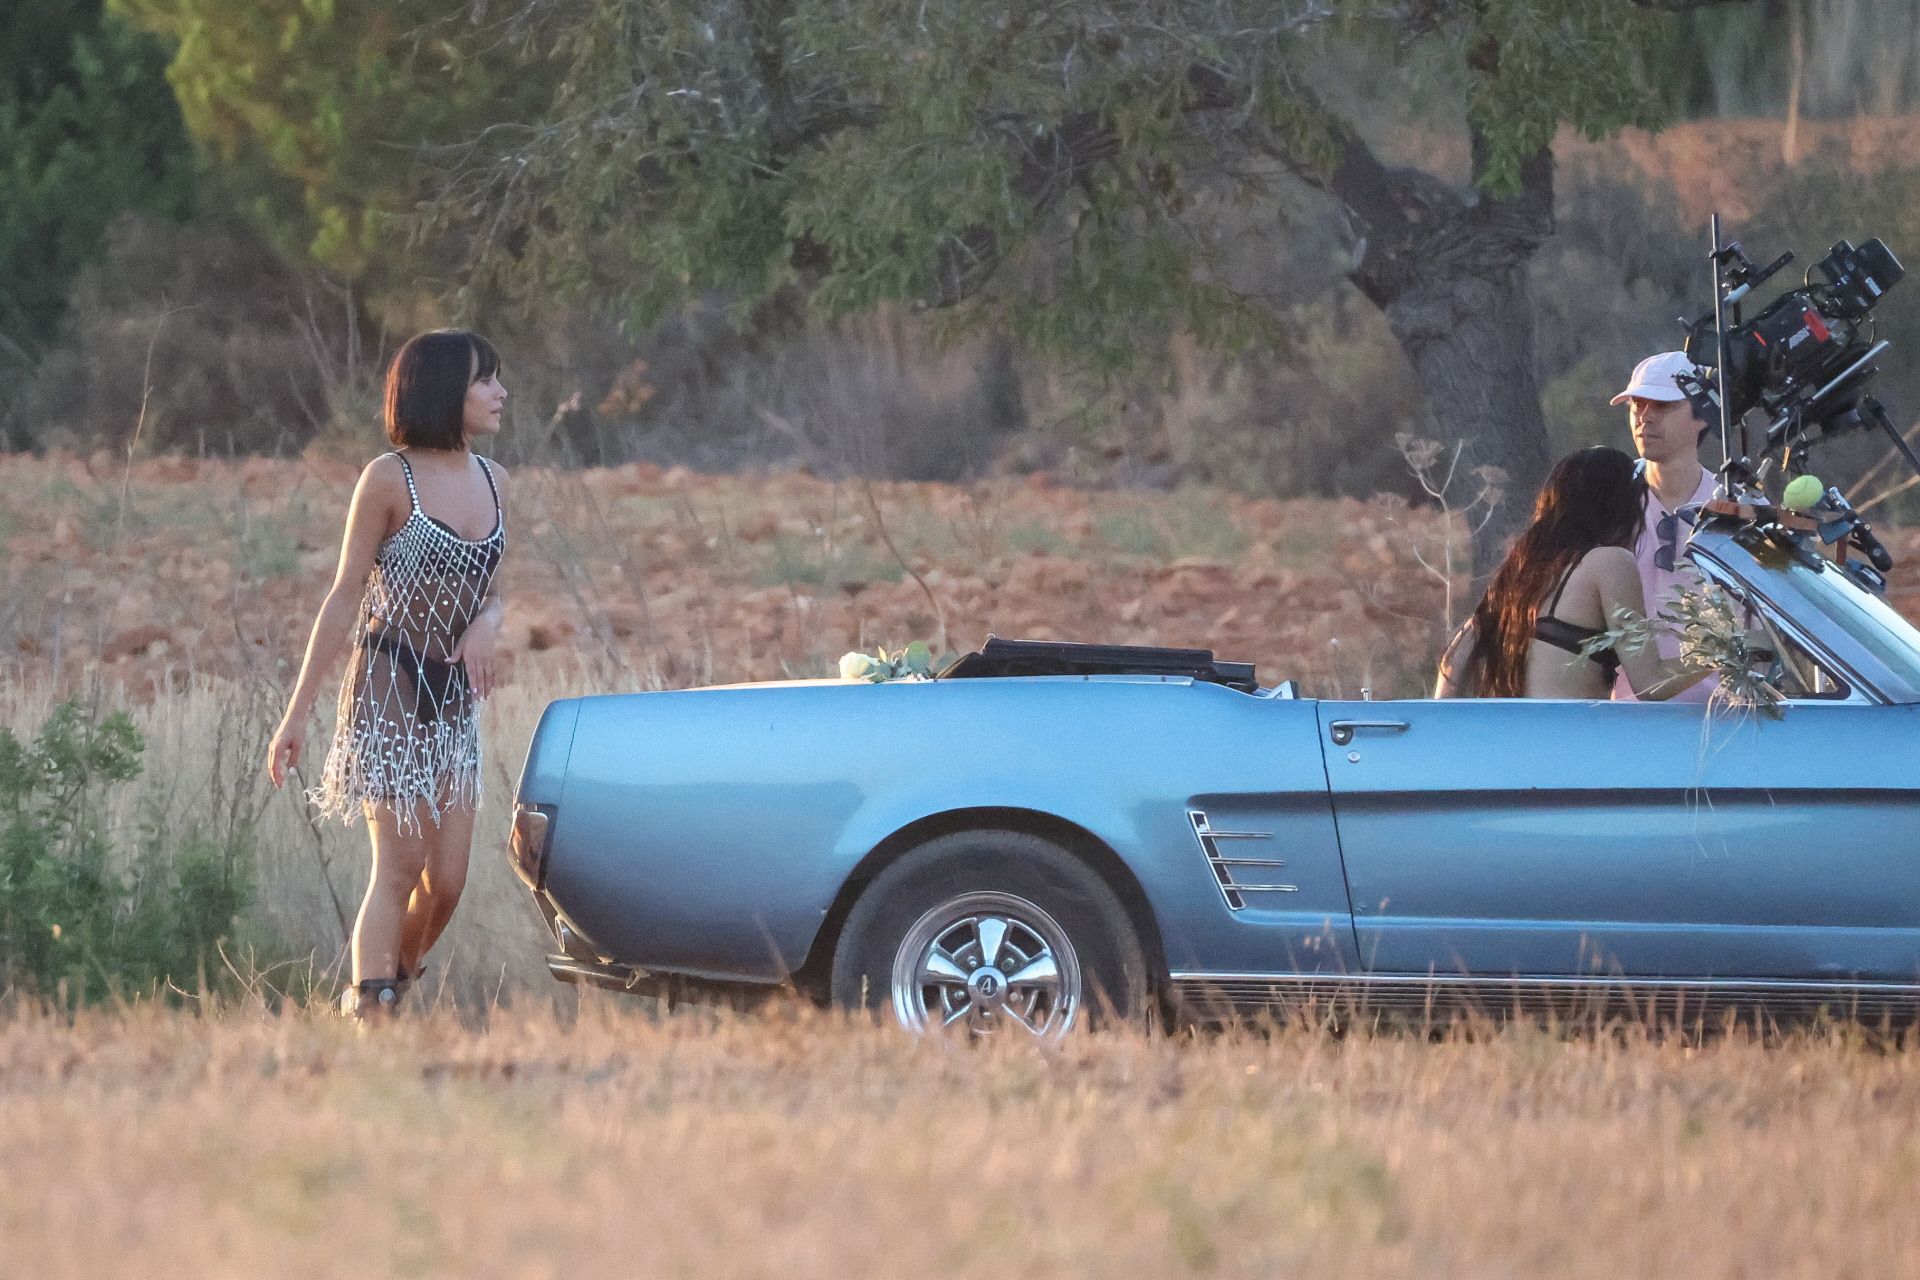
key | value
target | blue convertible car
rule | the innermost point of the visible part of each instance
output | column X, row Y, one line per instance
column 1047, row 832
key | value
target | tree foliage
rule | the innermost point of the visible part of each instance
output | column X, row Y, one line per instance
column 88, row 131
column 1049, row 166
column 1056, row 169
column 317, row 111
column 1817, row 57
column 905, row 150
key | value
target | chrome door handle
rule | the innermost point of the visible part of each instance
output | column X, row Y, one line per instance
column 1342, row 731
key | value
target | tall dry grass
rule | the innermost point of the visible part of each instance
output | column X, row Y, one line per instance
column 203, row 774
column 797, row 1145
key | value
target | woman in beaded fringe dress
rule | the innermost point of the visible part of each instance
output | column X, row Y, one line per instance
column 415, row 603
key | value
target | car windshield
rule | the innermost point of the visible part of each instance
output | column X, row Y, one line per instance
column 1862, row 617
column 1870, row 621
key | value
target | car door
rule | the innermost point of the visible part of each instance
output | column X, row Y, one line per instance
column 1518, row 836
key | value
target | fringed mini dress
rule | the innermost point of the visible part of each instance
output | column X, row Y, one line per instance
column 408, row 736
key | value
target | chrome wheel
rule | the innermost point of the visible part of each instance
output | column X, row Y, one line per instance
column 982, row 962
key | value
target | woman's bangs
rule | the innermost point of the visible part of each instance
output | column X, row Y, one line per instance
column 486, row 360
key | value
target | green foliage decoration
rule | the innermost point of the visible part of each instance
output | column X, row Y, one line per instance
column 1711, row 633
column 70, row 923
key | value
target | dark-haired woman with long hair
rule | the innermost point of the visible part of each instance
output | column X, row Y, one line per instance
column 1568, row 577
column 416, row 605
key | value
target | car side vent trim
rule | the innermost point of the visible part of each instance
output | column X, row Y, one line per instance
column 1237, row 877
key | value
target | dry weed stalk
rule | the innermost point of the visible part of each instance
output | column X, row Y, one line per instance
column 1423, row 459
column 880, row 527
column 140, row 422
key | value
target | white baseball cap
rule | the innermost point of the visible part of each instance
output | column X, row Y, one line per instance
column 1655, row 378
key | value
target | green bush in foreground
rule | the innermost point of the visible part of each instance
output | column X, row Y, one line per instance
column 74, row 927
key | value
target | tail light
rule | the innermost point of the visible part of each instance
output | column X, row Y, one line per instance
column 527, row 847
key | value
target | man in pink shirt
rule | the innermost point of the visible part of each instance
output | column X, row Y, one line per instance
column 1667, row 432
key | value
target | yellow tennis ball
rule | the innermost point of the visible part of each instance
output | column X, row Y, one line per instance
column 1802, row 492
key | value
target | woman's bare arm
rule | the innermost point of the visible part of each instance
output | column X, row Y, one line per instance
column 367, row 520
column 1453, row 665
column 1654, row 678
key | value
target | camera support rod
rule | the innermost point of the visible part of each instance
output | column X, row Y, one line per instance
column 1724, row 490
column 1849, row 371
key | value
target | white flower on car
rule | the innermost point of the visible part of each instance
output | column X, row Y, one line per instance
column 915, row 662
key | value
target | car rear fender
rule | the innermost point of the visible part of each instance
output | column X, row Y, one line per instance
column 714, row 831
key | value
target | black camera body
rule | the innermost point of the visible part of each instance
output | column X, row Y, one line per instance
column 1806, row 360
column 1786, row 357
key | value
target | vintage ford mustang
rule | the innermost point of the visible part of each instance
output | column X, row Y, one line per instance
column 1047, row 833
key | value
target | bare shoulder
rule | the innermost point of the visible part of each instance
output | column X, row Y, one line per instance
column 382, row 490
column 494, row 469
column 1609, row 564
column 384, row 476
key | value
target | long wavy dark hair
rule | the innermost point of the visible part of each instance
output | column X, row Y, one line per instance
column 1592, row 499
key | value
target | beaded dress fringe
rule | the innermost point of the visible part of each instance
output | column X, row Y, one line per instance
column 407, row 734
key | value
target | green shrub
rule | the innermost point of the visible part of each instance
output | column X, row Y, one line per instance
column 72, row 925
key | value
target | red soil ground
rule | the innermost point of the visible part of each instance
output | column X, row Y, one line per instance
column 676, row 578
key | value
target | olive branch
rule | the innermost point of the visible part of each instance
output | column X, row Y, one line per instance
column 1713, row 635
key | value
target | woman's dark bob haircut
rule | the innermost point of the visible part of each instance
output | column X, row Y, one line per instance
column 427, row 387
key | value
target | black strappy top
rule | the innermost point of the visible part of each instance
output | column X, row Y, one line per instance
column 1562, row 634
column 428, row 592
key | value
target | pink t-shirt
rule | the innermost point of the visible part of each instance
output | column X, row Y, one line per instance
column 1664, row 569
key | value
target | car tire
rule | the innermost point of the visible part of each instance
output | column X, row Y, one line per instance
column 1041, row 910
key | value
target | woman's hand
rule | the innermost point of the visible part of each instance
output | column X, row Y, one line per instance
column 478, row 649
column 283, row 753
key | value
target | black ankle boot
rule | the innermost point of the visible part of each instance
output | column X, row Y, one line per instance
column 374, row 996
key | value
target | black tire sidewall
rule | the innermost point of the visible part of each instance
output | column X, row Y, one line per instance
column 1112, row 968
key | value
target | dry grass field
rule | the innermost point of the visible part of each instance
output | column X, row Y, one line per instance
column 795, row 1145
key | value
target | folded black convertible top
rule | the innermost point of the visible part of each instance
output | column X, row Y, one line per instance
column 999, row 657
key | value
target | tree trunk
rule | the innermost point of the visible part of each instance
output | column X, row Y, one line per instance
column 1450, row 274
column 1469, row 336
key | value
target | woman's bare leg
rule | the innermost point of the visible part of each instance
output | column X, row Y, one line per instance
column 413, row 927
column 398, row 862
column 442, row 879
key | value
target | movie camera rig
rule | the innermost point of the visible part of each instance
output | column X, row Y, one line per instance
column 1804, row 361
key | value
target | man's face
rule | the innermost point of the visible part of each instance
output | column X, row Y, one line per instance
column 1664, row 431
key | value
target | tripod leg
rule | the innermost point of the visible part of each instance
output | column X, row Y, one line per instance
column 1879, row 414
